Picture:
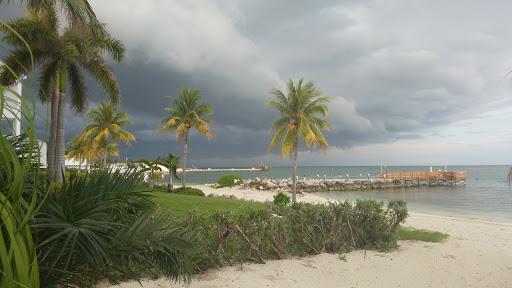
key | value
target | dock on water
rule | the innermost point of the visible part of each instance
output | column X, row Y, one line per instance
column 429, row 178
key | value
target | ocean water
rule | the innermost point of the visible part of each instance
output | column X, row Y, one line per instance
column 486, row 194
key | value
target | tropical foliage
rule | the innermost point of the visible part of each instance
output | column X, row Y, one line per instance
column 103, row 224
column 106, row 129
column 171, row 162
column 301, row 109
column 19, row 194
column 62, row 54
column 187, row 112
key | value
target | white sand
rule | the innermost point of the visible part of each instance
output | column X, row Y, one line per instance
column 477, row 254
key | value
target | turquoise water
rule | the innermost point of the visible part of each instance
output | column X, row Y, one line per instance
column 486, row 194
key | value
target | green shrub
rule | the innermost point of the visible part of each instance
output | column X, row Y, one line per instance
column 282, row 199
column 188, row 191
column 103, row 224
column 230, row 180
column 257, row 234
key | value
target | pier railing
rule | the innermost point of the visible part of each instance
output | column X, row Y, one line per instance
column 456, row 176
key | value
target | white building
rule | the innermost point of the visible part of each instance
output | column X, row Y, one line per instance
column 12, row 115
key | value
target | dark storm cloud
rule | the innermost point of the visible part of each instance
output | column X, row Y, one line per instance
column 393, row 69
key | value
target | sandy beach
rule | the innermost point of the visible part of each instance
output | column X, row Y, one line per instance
column 477, row 254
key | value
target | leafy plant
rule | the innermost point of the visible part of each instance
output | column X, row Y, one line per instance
column 19, row 182
column 281, row 199
column 189, row 191
column 97, row 224
column 229, row 181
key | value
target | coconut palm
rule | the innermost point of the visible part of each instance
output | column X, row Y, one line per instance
column 79, row 149
column 152, row 166
column 107, row 128
column 301, row 110
column 61, row 54
column 171, row 162
column 185, row 113
column 76, row 10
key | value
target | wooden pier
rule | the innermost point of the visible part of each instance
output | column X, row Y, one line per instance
column 430, row 178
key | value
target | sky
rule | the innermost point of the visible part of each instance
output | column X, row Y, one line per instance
column 411, row 82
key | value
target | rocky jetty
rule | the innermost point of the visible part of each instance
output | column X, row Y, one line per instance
column 322, row 185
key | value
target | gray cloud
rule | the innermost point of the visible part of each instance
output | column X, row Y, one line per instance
column 393, row 69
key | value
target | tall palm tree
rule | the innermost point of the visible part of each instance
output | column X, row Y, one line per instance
column 107, row 128
column 171, row 162
column 62, row 54
column 185, row 113
column 76, row 10
column 301, row 109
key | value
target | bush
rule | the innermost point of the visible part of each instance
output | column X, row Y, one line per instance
column 103, row 224
column 282, row 199
column 278, row 231
column 229, row 181
column 188, row 191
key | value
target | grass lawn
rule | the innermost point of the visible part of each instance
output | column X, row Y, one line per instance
column 409, row 233
column 181, row 204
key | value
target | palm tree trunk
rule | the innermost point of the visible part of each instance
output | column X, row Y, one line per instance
column 294, row 176
column 60, row 144
column 169, row 186
column 185, row 156
column 152, row 180
column 50, row 152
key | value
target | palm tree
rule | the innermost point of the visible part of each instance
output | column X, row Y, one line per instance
column 152, row 166
column 62, row 54
column 107, row 128
column 79, row 149
column 79, row 11
column 171, row 162
column 185, row 113
column 301, row 109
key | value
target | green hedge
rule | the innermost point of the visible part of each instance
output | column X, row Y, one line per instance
column 188, row 191
column 229, row 181
column 277, row 231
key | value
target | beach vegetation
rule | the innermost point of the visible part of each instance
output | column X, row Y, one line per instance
column 258, row 234
column 62, row 54
column 302, row 108
column 282, row 199
column 229, row 181
column 187, row 112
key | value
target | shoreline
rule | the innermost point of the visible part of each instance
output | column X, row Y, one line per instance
column 477, row 253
